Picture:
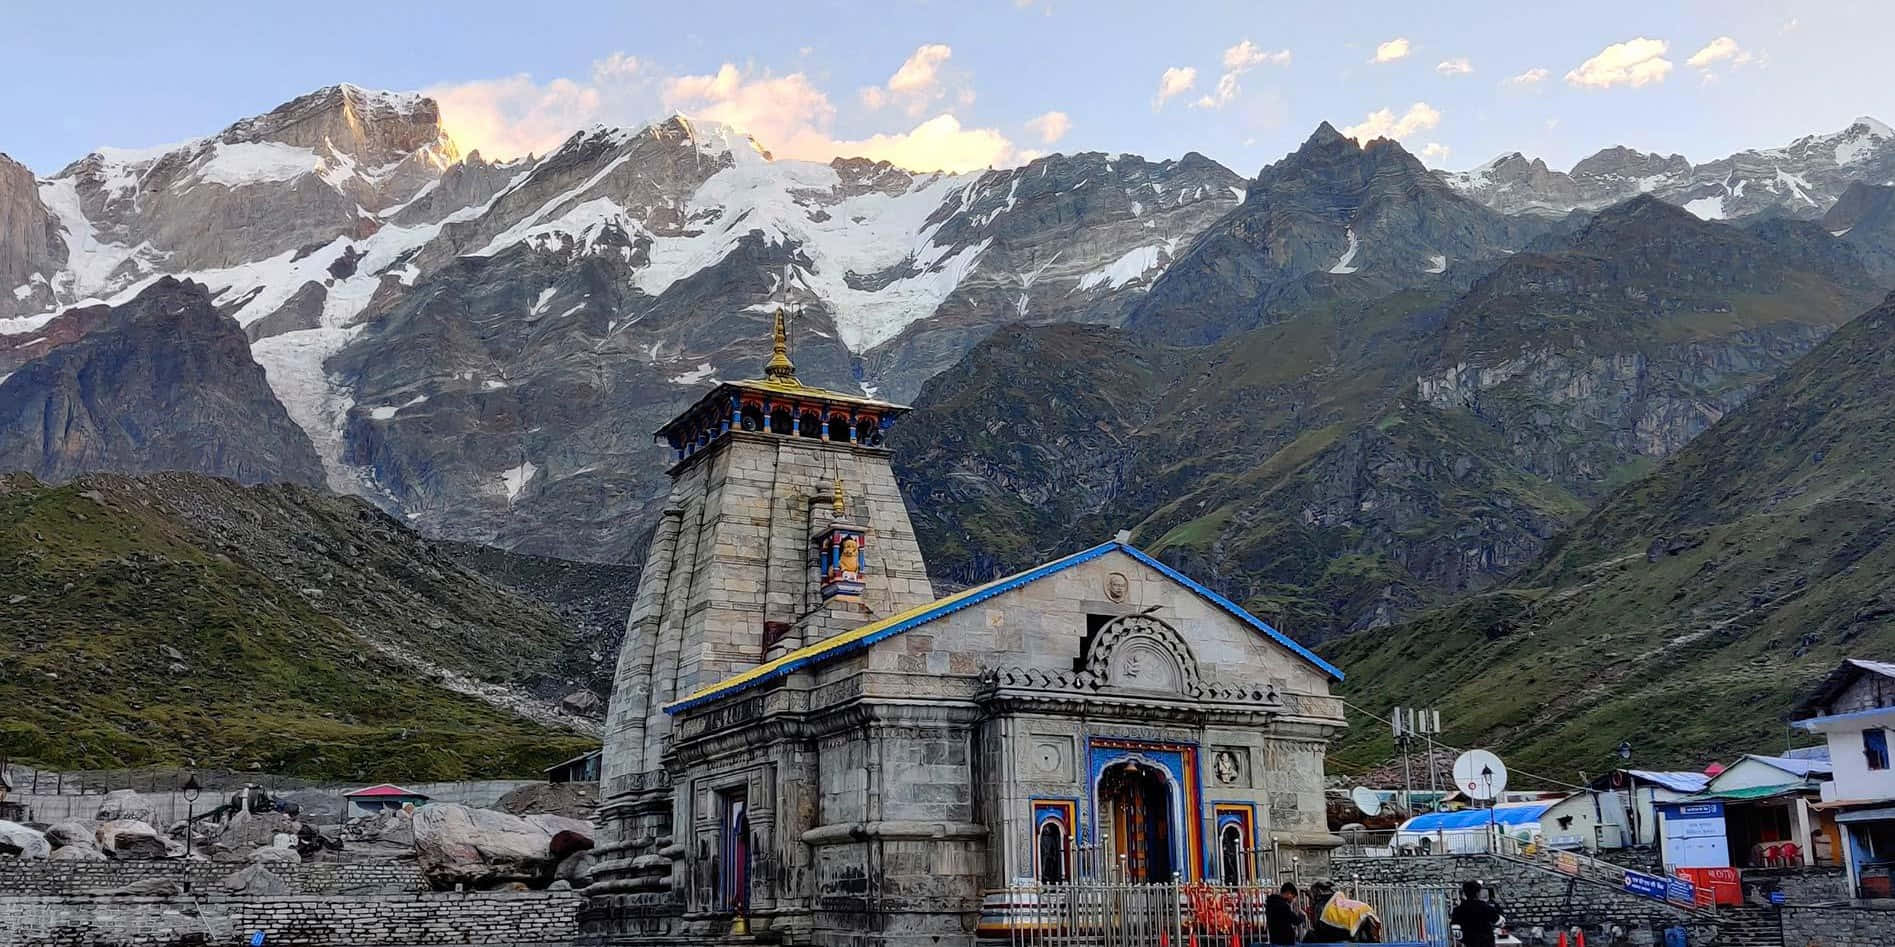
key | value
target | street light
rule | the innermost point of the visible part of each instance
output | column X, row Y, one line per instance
column 191, row 789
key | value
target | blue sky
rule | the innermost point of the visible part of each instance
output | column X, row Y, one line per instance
column 964, row 84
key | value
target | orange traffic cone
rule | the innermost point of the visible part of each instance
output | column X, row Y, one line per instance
column 1164, row 939
column 1580, row 941
column 1562, row 939
column 1194, row 938
column 1236, row 941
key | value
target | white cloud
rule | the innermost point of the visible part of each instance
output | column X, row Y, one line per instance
column 788, row 115
column 938, row 144
column 1531, row 77
column 1434, row 152
column 1051, row 127
column 1392, row 50
column 1384, row 123
column 917, row 84
column 1635, row 62
column 1238, row 60
column 1246, row 56
column 1458, row 66
column 1720, row 50
column 1176, row 81
column 1226, row 90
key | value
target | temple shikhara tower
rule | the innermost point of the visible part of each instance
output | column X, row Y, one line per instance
column 806, row 746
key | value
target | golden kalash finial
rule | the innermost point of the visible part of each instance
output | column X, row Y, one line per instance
column 836, row 499
column 780, row 369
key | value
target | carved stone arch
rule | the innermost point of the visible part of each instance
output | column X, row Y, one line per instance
column 1143, row 653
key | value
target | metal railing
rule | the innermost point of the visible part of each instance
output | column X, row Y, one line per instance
column 1117, row 913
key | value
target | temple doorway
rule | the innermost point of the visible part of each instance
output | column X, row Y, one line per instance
column 1135, row 813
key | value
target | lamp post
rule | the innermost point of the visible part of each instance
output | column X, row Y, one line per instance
column 191, row 790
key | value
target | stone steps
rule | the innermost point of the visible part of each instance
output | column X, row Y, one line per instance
column 1749, row 927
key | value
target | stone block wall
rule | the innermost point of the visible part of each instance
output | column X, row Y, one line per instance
column 1530, row 896
column 53, row 878
column 1838, row 926
column 1798, row 885
column 299, row 921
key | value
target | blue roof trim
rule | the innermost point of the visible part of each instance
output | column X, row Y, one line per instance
column 954, row 604
column 1231, row 607
column 947, row 607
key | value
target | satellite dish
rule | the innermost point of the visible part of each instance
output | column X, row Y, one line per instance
column 1366, row 799
column 1480, row 774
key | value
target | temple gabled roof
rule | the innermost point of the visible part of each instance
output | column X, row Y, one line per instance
column 867, row 635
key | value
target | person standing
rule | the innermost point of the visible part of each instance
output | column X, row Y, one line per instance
column 1281, row 916
column 1475, row 916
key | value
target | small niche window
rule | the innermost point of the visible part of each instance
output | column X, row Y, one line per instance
column 1875, row 748
column 839, row 428
column 782, row 421
column 811, row 425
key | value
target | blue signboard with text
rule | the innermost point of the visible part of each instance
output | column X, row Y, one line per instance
column 1650, row 886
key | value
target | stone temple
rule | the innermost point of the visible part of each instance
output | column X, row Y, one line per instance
column 806, row 746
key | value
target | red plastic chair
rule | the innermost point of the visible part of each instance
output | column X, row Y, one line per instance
column 1771, row 855
column 1791, row 853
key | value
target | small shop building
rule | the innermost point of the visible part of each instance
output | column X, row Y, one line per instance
column 1853, row 708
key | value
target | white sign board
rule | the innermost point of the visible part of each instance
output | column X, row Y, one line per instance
column 1694, row 835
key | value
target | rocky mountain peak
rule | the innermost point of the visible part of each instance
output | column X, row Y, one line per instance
column 1620, row 160
column 375, row 127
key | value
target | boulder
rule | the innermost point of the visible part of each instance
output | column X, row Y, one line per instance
column 261, row 828
column 481, row 848
column 21, row 842
column 576, row 870
column 582, row 704
column 275, row 856
column 128, row 806
column 72, row 832
column 127, row 838
column 257, row 880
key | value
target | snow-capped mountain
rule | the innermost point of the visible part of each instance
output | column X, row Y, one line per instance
column 483, row 346
column 1801, row 179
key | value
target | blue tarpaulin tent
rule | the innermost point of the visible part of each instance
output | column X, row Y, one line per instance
column 1466, row 830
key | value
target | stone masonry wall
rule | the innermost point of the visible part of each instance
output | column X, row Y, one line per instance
column 304, row 921
column 1532, row 897
column 24, row 877
column 1837, row 925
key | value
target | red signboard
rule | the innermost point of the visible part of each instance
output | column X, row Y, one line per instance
column 1715, row 885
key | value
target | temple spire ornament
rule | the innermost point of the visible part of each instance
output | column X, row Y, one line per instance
column 836, row 499
column 780, row 369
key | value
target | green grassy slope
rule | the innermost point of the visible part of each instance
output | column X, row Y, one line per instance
column 1689, row 608
column 134, row 632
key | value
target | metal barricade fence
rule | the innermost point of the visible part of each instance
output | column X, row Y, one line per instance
column 1119, row 913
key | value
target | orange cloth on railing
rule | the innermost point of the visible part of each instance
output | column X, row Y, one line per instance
column 1211, row 907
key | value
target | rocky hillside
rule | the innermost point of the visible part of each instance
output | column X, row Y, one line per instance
column 178, row 618
column 1684, row 612
column 1334, row 220
column 1864, row 218
column 1353, row 462
column 1801, row 179
column 160, row 383
column 482, row 348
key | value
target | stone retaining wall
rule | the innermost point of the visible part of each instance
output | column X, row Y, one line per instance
column 1798, row 885
column 540, row 917
column 1532, row 897
column 34, row 877
column 1839, row 925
